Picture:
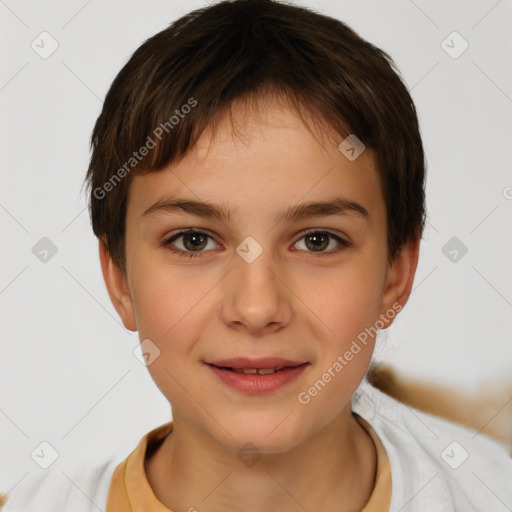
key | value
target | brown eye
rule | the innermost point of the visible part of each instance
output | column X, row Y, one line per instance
column 318, row 241
column 194, row 241
column 191, row 244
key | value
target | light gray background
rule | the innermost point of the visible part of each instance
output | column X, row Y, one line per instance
column 68, row 374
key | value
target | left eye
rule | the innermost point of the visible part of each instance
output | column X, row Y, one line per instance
column 194, row 242
column 318, row 241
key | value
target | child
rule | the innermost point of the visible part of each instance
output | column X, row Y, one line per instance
column 257, row 186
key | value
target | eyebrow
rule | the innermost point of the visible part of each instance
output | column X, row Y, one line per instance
column 336, row 206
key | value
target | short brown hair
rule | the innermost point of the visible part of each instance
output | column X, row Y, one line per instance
column 243, row 50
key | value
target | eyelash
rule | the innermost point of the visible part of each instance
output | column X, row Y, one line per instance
column 191, row 254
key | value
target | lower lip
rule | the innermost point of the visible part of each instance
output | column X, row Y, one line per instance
column 256, row 384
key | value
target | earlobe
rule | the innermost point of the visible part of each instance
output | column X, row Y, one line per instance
column 117, row 287
column 399, row 281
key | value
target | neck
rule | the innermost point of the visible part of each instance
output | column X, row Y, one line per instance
column 332, row 469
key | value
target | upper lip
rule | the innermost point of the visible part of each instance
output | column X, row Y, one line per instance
column 265, row 362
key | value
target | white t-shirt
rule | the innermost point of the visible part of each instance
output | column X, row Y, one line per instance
column 436, row 466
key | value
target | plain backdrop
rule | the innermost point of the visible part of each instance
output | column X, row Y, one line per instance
column 68, row 374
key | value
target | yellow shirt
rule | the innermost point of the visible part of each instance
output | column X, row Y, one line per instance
column 130, row 490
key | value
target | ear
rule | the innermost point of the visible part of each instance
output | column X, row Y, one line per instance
column 117, row 287
column 399, row 279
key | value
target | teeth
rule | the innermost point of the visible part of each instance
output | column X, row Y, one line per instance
column 266, row 371
column 261, row 371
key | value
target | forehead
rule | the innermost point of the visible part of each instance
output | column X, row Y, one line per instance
column 270, row 120
column 266, row 154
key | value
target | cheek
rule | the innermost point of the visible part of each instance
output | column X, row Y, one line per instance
column 167, row 308
column 165, row 300
column 348, row 307
column 170, row 311
column 346, row 300
column 348, row 312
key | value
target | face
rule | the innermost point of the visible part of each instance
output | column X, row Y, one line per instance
column 257, row 281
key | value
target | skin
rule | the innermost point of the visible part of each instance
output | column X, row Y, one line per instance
column 290, row 302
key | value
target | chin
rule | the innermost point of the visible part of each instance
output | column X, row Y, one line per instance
column 271, row 435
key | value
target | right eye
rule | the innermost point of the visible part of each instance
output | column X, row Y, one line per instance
column 192, row 242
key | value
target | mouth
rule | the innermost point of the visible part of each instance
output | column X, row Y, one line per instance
column 261, row 376
column 259, row 371
column 262, row 366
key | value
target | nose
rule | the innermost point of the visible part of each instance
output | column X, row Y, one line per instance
column 256, row 297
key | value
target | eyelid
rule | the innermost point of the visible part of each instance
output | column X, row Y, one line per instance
column 184, row 231
column 320, row 230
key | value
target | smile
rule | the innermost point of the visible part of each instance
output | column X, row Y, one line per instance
column 247, row 371
column 257, row 381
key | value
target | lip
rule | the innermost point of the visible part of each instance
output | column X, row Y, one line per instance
column 256, row 384
column 262, row 362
